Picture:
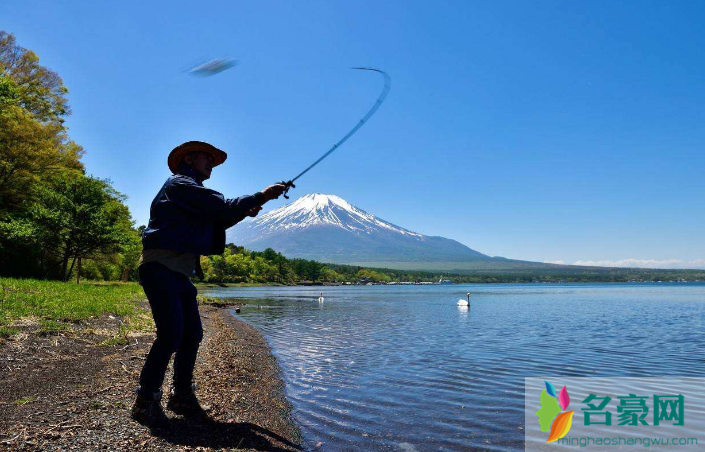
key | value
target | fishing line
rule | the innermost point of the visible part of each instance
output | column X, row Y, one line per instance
column 387, row 85
column 217, row 65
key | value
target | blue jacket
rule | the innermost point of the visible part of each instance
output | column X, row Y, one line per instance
column 186, row 216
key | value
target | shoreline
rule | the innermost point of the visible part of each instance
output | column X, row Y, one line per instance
column 200, row 286
column 64, row 391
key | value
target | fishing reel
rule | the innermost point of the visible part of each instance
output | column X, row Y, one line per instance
column 288, row 185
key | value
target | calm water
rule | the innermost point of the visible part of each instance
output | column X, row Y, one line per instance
column 402, row 368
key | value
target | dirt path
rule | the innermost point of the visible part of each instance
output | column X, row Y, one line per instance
column 65, row 392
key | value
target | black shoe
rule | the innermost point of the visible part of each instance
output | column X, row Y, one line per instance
column 185, row 403
column 148, row 410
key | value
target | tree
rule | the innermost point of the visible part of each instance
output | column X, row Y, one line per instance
column 40, row 90
column 372, row 275
column 262, row 271
column 207, row 267
column 270, row 255
column 20, row 255
column 329, row 275
column 9, row 93
column 238, row 267
column 81, row 217
column 51, row 214
column 28, row 150
column 33, row 139
column 130, row 254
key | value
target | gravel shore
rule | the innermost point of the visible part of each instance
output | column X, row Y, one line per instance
column 65, row 392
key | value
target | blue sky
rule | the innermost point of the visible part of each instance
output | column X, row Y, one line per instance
column 545, row 130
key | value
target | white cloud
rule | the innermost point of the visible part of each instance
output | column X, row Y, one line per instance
column 554, row 262
column 646, row 263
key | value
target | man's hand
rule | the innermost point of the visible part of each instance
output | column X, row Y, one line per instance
column 253, row 211
column 273, row 191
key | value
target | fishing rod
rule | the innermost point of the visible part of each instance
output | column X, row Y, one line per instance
column 217, row 65
column 387, row 85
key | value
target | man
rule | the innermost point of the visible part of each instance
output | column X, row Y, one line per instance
column 186, row 221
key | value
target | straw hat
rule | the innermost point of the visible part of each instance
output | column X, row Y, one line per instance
column 178, row 153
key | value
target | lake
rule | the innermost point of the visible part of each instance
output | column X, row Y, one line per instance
column 403, row 368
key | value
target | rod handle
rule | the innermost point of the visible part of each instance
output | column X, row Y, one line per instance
column 289, row 185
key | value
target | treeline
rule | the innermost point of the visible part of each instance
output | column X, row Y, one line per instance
column 577, row 274
column 539, row 275
column 53, row 216
column 239, row 265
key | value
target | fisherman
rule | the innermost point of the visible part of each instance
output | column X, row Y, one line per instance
column 187, row 220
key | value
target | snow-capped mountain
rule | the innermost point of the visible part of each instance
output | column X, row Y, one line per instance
column 329, row 229
column 318, row 210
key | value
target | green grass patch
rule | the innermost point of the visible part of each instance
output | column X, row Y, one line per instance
column 119, row 338
column 24, row 401
column 52, row 327
column 96, row 405
column 219, row 302
column 57, row 303
column 7, row 331
column 142, row 322
column 115, row 340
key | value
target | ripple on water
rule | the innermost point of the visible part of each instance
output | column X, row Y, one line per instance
column 404, row 369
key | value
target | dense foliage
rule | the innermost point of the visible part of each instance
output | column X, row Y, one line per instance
column 239, row 265
column 52, row 215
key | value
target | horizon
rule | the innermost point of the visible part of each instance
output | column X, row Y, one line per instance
column 547, row 132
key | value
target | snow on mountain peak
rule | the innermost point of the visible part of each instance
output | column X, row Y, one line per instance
column 316, row 209
column 319, row 201
column 327, row 228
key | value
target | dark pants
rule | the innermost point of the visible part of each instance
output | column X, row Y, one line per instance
column 175, row 310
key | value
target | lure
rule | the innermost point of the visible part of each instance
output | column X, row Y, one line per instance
column 213, row 67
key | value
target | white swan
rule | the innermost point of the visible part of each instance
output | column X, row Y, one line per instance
column 320, row 299
column 462, row 302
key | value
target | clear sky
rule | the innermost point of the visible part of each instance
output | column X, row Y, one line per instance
column 568, row 131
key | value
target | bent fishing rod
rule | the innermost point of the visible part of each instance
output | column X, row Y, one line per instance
column 387, row 85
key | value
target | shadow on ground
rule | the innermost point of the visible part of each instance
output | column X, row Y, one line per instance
column 207, row 432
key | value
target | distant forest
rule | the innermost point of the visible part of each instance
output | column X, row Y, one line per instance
column 239, row 265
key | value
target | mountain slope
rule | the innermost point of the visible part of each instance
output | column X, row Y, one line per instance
column 329, row 229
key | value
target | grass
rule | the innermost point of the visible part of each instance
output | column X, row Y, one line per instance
column 53, row 327
column 24, row 401
column 218, row 302
column 57, row 304
column 96, row 405
column 7, row 331
column 119, row 338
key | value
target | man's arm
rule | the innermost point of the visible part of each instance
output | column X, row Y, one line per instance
column 213, row 206
column 269, row 193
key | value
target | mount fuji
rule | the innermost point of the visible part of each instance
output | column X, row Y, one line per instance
column 327, row 228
